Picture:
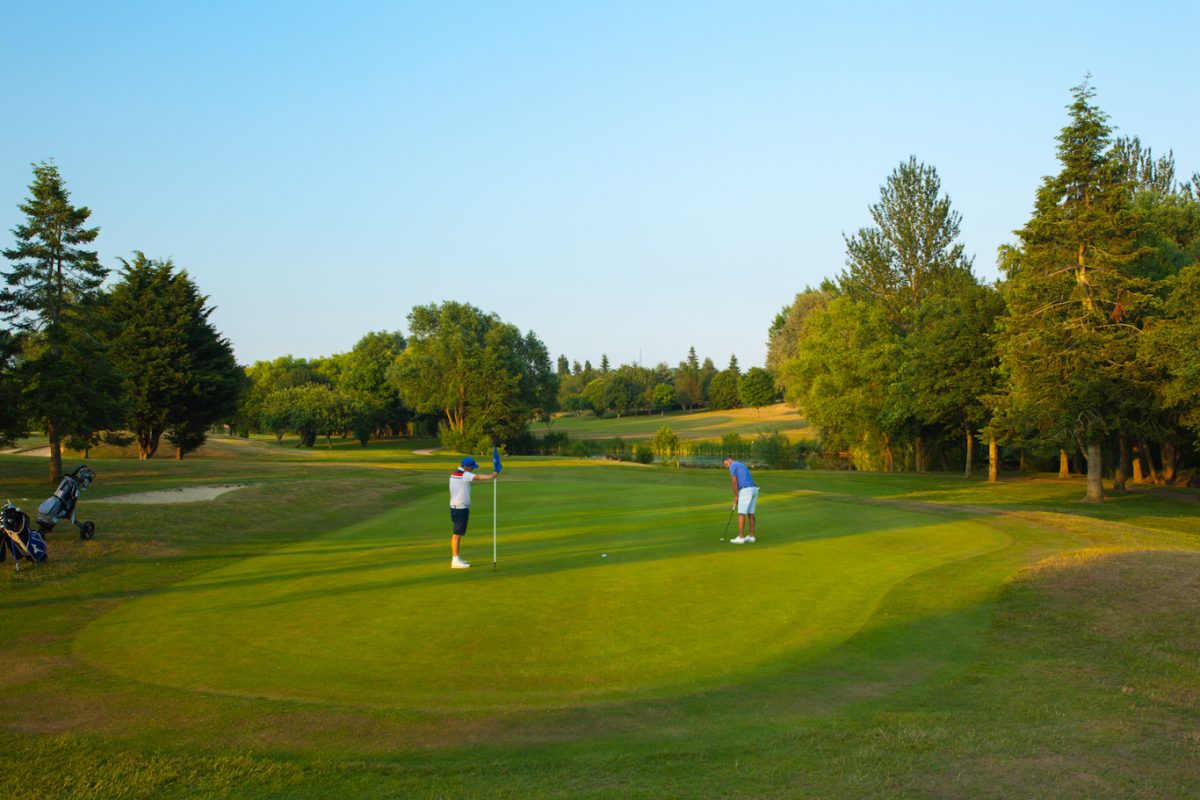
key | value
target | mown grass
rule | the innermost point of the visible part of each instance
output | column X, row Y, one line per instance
column 746, row 422
column 1052, row 654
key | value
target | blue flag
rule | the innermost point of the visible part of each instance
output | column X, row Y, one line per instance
column 496, row 458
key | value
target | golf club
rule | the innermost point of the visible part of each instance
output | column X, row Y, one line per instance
column 726, row 533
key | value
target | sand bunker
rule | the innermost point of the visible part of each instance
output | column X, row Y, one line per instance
column 187, row 494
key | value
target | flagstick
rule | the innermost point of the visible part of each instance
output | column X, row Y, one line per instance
column 494, row 525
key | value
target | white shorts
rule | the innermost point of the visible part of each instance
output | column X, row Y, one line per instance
column 748, row 500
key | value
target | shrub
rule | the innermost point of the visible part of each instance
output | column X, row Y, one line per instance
column 582, row 448
column 665, row 441
column 643, row 453
column 556, row 443
column 774, row 450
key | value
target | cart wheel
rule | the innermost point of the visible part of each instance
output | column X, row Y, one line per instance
column 88, row 530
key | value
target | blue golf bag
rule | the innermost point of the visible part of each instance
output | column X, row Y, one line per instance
column 61, row 504
column 19, row 539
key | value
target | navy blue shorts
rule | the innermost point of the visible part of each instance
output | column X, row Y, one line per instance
column 458, row 516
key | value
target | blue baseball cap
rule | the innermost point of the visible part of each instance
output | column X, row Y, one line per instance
column 469, row 462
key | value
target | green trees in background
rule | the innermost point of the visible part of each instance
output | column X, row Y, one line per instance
column 180, row 374
column 483, row 376
column 723, row 390
column 638, row 389
column 877, row 359
column 377, row 405
column 1075, row 302
column 757, row 388
column 50, row 298
column 1088, row 344
column 12, row 423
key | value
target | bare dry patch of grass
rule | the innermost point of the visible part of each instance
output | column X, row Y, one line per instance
column 1089, row 686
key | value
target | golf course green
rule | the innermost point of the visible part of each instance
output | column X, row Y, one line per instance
column 887, row 635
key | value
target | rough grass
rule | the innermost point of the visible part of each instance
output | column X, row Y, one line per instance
column 1055, row 656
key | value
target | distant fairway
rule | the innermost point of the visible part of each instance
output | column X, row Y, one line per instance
column 687, row 425
column 888, row 636
column 371, row 615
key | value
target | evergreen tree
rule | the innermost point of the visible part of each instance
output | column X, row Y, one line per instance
column 49, row 295
column 180, row 373
column 1074, row 303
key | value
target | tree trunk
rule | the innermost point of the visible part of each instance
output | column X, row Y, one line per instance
column 1021, row 466
column 1095, row 482
column 55, row 452
column 889, row 460
column 970, row 452
column 1064, row 464
column 148, row 443
column 1170, row 457
column 1148, row 456
column 1122, row 462
column 1138, row 477
column 919, row 453
column 993, row 460
column 179, row 454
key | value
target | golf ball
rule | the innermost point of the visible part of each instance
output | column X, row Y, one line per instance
column 604, row 555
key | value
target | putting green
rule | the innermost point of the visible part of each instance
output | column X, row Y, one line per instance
column 605, row 591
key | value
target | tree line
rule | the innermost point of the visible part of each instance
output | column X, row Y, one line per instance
column 87, row 364
column 635, row 389
column 139, row 361
column 1088, row 345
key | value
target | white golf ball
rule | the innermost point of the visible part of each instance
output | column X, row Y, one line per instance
column 604, row 555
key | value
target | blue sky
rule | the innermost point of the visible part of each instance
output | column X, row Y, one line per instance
column 622, row 178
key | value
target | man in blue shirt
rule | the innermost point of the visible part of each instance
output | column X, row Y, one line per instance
column 745, row 499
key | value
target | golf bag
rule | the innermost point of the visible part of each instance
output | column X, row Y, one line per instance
column 61, row 504
column 19, row 538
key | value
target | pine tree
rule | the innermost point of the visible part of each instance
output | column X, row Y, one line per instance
column 1073, row 301
column 49, row 296
column 181, row 374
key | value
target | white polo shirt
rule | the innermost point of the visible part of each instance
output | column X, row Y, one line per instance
column 460, row 488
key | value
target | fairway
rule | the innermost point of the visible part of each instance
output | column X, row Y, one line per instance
column 887, row 636
column 605, row 591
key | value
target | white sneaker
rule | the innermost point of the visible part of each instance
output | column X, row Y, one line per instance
column 750, row 539
column 458, row 563
column 740, row 540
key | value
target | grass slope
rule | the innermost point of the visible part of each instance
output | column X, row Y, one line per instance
column 916, row 636
column 746, row 422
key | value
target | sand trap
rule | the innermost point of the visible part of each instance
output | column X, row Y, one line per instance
column 188, row 494
column 39, row 452
column 428, row 452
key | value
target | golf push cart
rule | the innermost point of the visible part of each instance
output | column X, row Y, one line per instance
column 61, row 504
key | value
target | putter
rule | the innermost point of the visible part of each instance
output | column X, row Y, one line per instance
column 726, row 533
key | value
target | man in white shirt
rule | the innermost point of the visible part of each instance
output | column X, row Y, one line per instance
column 460, row 505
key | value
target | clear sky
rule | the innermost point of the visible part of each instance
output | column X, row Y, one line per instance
column 629, row 178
